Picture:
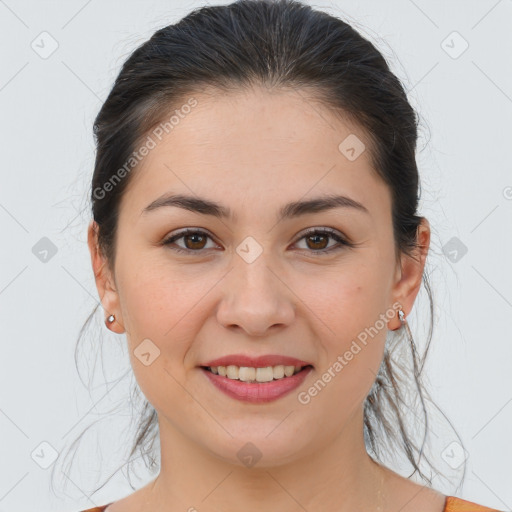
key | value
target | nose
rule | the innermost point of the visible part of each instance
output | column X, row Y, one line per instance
column 256, row 298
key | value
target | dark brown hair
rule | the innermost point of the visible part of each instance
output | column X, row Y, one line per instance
column 278, row 44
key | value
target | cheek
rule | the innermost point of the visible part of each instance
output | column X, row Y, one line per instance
column 162, row 304
column 148, row 300
column 158, row 310
column 348, row 300
column 153, row 292
column 352, row 311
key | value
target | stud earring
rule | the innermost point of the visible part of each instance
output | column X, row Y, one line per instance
column 111, row 318
column 408, row 332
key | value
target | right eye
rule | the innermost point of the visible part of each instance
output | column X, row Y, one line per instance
column 196, row 240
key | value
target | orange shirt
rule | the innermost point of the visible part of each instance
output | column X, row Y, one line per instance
column 452, row 504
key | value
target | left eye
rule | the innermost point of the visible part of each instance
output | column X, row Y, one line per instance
column 197, row 239
column 318, row 236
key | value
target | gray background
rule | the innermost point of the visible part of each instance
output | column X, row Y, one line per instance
column 47, row 106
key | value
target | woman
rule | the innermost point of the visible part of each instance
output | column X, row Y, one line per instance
column 255, row 235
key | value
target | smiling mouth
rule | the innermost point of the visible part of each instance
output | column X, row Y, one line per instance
column 253, row 375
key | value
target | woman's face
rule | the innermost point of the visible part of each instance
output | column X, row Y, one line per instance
column 255, row 283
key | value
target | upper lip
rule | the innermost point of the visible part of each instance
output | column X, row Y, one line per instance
column 256, row 362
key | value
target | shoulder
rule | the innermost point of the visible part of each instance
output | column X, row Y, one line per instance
column 454, row 504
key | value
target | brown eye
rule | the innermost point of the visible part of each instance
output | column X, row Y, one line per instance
column 193, row 241
column 318, row 241
column 197, row 241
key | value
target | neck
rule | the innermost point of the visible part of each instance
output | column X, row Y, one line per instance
column 337, row 475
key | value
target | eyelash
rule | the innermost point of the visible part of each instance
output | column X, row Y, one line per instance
column 312, row 231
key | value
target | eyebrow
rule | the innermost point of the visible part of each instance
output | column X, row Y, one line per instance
column 291, row 210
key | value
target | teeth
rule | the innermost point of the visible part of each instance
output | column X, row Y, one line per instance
column 248, row 374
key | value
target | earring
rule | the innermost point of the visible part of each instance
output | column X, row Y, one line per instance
column 408, row 332
column 111, row 318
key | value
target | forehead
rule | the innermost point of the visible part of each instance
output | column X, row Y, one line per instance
column 251, row 146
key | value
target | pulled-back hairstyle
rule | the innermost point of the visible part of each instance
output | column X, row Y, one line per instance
column 277, row 44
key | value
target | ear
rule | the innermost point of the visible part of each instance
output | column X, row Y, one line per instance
column 105, row 283
column 410, row 273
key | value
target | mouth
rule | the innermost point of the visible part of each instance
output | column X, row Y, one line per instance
column 256, row 385
column 256, row 375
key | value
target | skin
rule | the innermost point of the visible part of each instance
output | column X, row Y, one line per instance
column 253, row 152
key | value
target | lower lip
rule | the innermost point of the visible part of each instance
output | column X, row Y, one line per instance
column 258, row 392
